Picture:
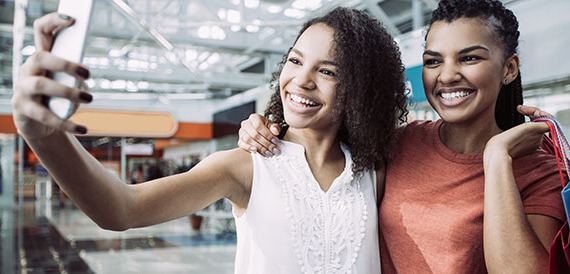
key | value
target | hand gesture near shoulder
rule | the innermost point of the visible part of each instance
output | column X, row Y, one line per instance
column 258, row 135
column 519, row 140
column 33, row 120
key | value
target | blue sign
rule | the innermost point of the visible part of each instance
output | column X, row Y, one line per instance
column 415, row 84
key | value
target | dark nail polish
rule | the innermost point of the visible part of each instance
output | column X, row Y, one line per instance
column 85, row 97
column 81, row 129
column 82, row 72
column 65, row 17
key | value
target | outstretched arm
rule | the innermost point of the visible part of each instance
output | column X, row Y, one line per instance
column 509, row 234
column 111, row 203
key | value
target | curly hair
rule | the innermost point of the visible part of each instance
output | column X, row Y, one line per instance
column 506, row 29
column 371, row 99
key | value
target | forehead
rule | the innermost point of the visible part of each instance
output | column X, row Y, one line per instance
column 317, row 39
column 461, row 33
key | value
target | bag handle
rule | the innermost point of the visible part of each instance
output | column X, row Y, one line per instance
column 558, row 144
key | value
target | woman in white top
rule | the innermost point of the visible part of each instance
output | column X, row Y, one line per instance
column 312, row 209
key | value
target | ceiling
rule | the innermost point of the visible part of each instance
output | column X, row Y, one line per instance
column 193, row 49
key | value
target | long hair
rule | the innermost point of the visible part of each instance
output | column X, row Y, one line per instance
column 506, row 29
column 371, row 97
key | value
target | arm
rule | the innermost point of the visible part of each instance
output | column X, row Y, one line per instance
column 108, row 201
column 257, row 135
column 513, row 241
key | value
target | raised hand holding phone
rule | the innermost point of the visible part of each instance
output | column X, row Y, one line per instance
column 69, row 44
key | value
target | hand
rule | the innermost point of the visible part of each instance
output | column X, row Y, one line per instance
column 33, row 120
column 256, row 134
column 519, row 140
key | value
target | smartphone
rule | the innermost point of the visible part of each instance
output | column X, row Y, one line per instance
column 69, row 44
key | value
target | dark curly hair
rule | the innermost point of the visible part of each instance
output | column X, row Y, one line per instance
column 371, row 96
column 506, row 29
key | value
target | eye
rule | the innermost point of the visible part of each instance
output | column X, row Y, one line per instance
column 470, row 59
column 294, row 60
column 431, row 62
column 328, row 72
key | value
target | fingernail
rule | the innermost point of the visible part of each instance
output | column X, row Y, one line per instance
column 268, row 154
column 82, row 72
column 275, row 140
column 86, row 97
column 65, row 17
column 80, row 129
column 253, row 149
column 276, row 151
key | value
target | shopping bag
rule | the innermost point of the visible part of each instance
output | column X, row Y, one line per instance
column 559, row 259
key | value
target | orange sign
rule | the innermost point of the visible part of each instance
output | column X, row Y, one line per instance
column 126, row 123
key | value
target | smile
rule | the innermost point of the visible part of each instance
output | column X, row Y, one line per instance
column 303, row 101
column 455, row 95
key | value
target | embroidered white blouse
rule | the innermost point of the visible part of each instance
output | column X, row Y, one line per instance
column 292, row 226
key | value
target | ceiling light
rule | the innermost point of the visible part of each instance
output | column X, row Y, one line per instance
column 294, row 13
column 191, row 54
column 233, row 16
column 252, row 4
column 274, row 9
column 214, row 58
column 252, row 28
column 306, row 4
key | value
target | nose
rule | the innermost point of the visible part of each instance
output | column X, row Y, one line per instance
column 449, row 73
column 304, row 78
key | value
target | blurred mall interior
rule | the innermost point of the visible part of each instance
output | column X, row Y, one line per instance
column 171, row 81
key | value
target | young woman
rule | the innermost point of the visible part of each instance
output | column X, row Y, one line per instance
column 469, row 193
column 313, row 209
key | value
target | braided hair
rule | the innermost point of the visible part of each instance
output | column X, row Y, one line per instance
column 371, row 96
column 506, row 29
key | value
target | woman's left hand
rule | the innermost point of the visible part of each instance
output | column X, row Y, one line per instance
column 519, row 140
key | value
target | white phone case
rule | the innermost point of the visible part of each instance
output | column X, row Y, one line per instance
column 69, row 44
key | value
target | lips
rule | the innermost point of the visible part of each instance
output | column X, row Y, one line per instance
column 302, row 101
column 454, row 95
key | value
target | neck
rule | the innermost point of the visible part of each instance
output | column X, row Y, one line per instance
column 323, row 154
column 467, row 138
column 319, row 148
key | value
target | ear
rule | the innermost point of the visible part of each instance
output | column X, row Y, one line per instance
column 511, row 69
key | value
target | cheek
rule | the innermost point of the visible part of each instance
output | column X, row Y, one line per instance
column 429, row 77
column 488, row 78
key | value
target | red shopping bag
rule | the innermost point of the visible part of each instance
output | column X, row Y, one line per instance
column 559, row 259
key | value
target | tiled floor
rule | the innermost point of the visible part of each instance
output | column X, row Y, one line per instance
column 44, row 238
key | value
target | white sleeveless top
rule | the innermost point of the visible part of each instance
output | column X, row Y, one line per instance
column 292, row 226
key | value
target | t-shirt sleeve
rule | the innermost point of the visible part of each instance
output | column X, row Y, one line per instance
column 540, row 186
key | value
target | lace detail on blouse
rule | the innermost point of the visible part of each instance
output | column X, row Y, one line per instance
column 327, row 227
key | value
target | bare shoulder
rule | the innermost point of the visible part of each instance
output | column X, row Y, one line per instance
column 236, row 166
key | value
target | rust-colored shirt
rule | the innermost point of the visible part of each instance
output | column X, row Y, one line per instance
column 431, row 217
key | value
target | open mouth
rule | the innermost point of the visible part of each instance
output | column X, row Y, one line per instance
column 303, row 101
column 455, row 95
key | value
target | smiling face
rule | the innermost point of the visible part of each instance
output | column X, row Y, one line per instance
column 464, row 68
column 308, row 80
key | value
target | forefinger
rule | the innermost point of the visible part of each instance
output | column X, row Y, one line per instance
column 532, row 111
column 47, row 27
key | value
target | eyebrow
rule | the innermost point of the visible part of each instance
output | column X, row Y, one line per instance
column 463, row 51
column 324, row 62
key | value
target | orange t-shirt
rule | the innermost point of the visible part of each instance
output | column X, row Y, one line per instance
column 431, row 217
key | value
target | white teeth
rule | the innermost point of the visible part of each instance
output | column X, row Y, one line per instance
column 454, row 95
column 301, row 100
